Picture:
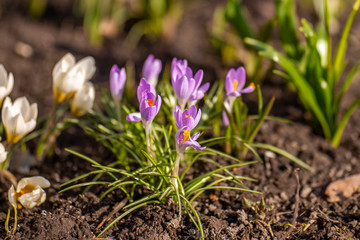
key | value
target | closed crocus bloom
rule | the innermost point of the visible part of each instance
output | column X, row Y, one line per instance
column 83, row 100
column 3, row 153
column 235, row 82
column 183, row 84
column 181, row 64
column 117, row 82
column 189, row 117
column 29, row 192
column 19, row 118
column 69, row 76
column 151, row 69
column 6, row 83
column 184, row 140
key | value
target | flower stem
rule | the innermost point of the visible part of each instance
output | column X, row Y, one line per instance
column 44, row 144
column 148, row 143
column 175, row 172
column 118, row 113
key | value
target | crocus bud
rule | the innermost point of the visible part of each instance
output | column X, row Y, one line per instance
column 151, row 69
column 117, row 82
column 19, row 118
column 29, row 192
column 69, row 77
column 83, row 100
column 6, row 83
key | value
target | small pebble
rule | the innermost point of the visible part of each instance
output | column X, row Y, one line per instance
column 305, row 192
column 24, row 50
column 212, row 207
column 284, row 196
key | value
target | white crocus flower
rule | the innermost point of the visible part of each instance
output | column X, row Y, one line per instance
column 6, row 83
column 83, row 100
column 19, row 118
column 69, row 77
column 3, row 153
column 29, row 192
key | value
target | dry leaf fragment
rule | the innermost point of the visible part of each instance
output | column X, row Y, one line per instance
column 343, row 188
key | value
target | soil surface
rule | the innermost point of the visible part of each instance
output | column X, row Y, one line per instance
column 300, row 208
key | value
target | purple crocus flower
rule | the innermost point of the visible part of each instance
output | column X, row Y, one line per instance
column 189, row 117
column 198, row 92
column 181, row 64
column 149, row 104
column 117, row 82
column 235, row 82
column 184, row 140
column 151, row 69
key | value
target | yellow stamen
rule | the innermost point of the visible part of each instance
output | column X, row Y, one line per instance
column 235, row 83
column 27, row 189
column 186, row 135
column 187, row 116
column 150, row 102
column 252, row 85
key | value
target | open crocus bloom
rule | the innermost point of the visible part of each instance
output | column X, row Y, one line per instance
column 6, row 83
column 184, row 140
column 19, row 118
column 69, row 77
column 151, row 69
column 29, row 192
column 149, row 104
column 3, row 153
column 189, row 117
column 117, row 82
column 83, row 100
column 235, row 82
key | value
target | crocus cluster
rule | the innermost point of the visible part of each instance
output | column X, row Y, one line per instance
column 71, row 78
column 234, row 87
column 187, row 86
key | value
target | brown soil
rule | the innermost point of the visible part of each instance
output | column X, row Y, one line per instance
column 72, row 215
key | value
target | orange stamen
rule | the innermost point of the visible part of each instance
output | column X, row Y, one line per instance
column 252, row 85
column 186, row 135
column 150, row 102
column 235, row 83
column 187, row 116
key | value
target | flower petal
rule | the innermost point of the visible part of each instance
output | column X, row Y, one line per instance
column 133, row 117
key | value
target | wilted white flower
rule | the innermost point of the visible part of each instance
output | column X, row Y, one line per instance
column 6, row 83
column 83, row 100
column 29, row 192
column 3, row 153
column 19, row 118
column 69, row 77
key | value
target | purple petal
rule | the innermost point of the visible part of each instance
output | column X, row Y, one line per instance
column 234, row 94
column 230, row 76
column 143, row 86
column 177, row 115
column 198, row 78
column 117, row 81
column 241, row 78
column 133, row 117
column 248, row 89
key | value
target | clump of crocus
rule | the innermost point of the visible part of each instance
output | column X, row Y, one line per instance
column 151, row 69
column 185, row 122
column 186, row 86
column 19, row 118
column 69, row 76
column 70, row 79
column 83, row 100
column 29, row 192
column 149, row 108
column 234, row 87
column 6, row 83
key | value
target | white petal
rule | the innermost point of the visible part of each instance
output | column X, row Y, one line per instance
column 63, row 66
column 11, row 196
column 35, row 181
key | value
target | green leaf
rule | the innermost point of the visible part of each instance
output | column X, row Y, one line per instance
column 234, row 13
